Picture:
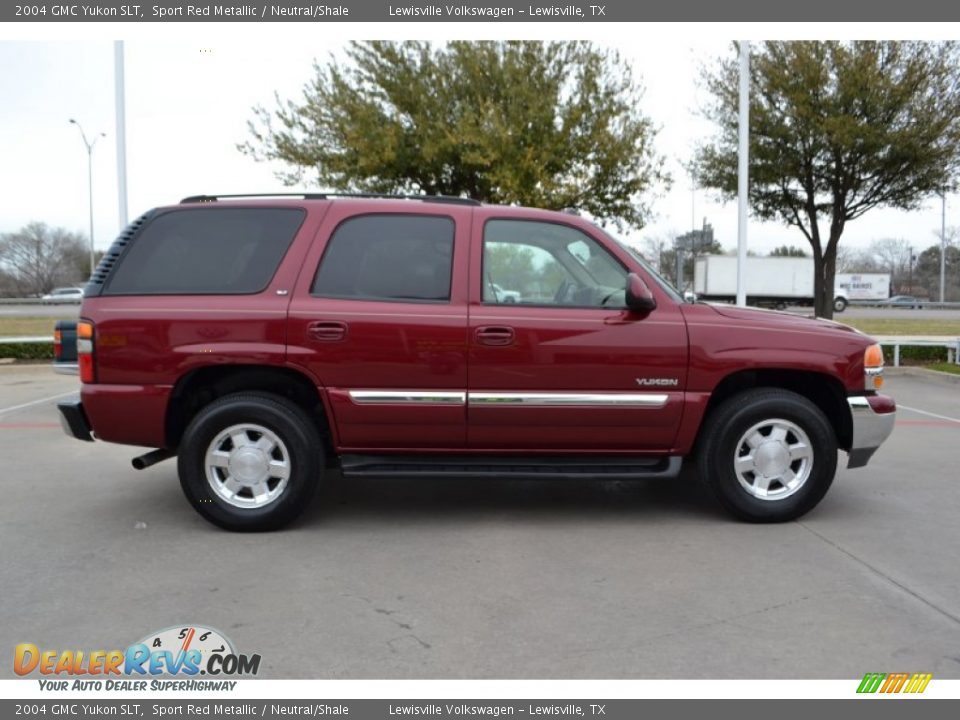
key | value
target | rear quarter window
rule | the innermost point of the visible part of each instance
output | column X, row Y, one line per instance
column 393, row 258
column 207, row 251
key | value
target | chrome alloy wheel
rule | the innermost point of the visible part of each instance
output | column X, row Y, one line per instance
column 247, row 466
column 774, row 459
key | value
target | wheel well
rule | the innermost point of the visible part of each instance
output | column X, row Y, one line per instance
column 200, row 387
column 824, row 391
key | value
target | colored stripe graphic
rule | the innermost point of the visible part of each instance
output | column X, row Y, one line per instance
column 871, row 682
column 918, row 683
column 894, row 683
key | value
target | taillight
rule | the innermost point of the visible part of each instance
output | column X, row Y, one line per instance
column 85, row 352
column 57, row 344
column 873, row 368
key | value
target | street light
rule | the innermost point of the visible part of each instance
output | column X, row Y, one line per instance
column 89, row 145
column 943, row 241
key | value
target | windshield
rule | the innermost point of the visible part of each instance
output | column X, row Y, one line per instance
column 665, row 284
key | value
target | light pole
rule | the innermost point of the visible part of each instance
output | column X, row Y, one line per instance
column 943, row 241
column 89, row 145
column 912, row 258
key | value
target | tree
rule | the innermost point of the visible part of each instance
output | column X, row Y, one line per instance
column 669, row 267
column 926, row 273
column 894, row 255
column 37, row 258
column 788, row 251
column 855, row 260
column 551, row 125
column 653, row 250
column 836, row 129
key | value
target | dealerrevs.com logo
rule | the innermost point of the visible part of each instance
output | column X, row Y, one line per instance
column 179, row 651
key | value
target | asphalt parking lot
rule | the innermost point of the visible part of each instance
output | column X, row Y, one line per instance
column 452, row 579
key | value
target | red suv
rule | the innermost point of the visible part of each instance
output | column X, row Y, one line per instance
column 261, row 340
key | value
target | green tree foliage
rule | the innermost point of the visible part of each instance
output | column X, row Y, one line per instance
column 926, row 273
column 37, row 258
column 788, row 251
column 550, row 125
column 509, row 265
column 835, row 130
column 530, row 271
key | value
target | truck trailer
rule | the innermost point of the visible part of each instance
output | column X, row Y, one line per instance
column 781, row 281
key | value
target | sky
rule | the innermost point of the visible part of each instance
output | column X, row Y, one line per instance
column 188, row 101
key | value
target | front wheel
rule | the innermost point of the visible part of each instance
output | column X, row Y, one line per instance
column 769, row 455
column 250, row 461
column 840, row 304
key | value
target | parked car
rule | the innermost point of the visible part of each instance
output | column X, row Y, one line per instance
column 59, row 296
column 260, row 341
column 901, row 301
column 505, row 296
column 65, row 347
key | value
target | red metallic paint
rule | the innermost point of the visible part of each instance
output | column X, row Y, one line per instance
column 559, row 349
column 144, row 344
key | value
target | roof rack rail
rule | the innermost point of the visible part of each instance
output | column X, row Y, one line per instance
column 453, row 200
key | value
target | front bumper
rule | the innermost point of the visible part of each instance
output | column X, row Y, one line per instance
column 873, row 420
column 74, row 421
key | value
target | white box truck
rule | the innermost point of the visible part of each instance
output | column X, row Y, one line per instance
column 780, row 281
column 863, row 286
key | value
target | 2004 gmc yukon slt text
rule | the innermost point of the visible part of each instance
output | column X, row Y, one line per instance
column 263, row 340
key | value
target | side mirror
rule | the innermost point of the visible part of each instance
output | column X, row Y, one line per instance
column 689, row 297
column 639, row 298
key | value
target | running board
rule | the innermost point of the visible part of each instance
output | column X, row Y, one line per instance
column 479, row 466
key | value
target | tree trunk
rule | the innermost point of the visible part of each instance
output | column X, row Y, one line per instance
column 820, row 308
column 824, row 275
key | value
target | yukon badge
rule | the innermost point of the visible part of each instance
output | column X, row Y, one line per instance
column 659, row 382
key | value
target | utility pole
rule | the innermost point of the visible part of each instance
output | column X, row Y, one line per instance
column 120, row 102
column 743, row 172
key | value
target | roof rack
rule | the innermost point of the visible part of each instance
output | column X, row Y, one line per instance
column 453, row 200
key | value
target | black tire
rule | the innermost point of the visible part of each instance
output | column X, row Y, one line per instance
column 840, row 304
column 720, row 445
column 300, row 440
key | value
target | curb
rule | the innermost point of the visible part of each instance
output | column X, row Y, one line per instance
column 913, row 371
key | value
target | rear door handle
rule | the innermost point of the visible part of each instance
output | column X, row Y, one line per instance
column 495, row 335
column 327, row 330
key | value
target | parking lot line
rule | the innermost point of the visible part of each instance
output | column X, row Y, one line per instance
column 924, row 412
column 28, row 426
column 924, row 423
column 4, row 411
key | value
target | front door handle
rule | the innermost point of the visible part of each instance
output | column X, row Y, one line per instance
column 327, row 330
column 495, row 335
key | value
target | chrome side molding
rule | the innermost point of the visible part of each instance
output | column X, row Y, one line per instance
column 512, row 399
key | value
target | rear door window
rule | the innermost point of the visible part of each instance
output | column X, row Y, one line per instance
column 208, row 251
column 398, row 258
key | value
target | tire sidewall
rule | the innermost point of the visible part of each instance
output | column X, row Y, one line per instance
column 288, row 423
column 739, row 414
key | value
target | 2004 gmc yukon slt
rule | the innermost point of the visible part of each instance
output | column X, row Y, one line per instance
column 260, row 340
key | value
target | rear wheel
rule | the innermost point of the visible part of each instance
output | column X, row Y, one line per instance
column 250, row 461
column 769, row 455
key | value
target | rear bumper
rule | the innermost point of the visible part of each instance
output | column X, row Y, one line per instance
column 873, row 420
column 66, row 368
column 74, row 421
